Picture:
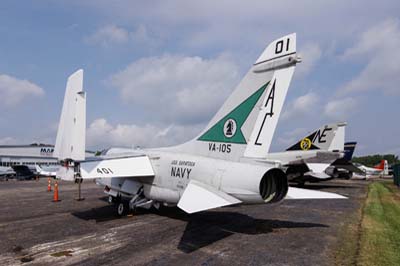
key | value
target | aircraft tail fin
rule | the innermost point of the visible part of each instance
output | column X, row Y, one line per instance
column 386, row 168
column 328, row 137
column 245, row 124
column 338, row 140
column 349, row 148
column 70, row 141
column 381, row 165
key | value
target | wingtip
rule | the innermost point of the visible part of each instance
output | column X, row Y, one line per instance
column 76, row 75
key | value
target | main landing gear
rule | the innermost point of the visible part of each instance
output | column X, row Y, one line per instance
column 124, row 205
column 121, row 205
column 122, row 209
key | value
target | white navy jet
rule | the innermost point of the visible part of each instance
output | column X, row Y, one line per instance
column 320, row 156
column 221, row 166
column 311, row 158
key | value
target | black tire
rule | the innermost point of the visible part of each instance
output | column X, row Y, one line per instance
column 346, row 176
column 349, row 176
column 122, row 208
column 111, row 199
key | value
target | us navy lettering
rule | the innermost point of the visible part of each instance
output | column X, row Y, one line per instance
column 180, row 172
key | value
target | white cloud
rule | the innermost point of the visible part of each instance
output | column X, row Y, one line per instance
column 341, row 109
column 102, row 134
column 13, row 91
column 375, row 38
column 112, row 34
column 177, row 88
column 142, row 36
column 378, row 46
column 310, row 53
column 107, row 35
column 301, row 106
column 200, row 23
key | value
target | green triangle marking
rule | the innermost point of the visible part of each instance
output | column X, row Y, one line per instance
column 239, row 115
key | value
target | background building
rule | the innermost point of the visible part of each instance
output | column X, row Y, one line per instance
column 40, row 154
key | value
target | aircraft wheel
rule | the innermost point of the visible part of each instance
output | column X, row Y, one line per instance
column 349, row 176
column 111, row 199
column 122, row 208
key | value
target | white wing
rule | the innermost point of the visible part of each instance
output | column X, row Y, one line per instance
column 137, row 166
column 70, row 141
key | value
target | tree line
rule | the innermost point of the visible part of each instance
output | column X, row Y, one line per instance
column 372, row 160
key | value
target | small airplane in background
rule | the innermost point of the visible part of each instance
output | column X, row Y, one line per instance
column 224, row 165
column 380, row 169
column 27, row 172
column 44, row 171
column 6, row 173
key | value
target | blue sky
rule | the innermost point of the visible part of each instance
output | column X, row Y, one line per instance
column 198, row 51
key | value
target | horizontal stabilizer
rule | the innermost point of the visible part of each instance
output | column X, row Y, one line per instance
column 327, row 157
column 200, row 197
column 301, row 193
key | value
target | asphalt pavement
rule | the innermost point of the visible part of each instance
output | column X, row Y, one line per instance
column 36, row 231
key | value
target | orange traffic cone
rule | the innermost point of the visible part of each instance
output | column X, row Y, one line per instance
column 48, row 185
column 55, row 197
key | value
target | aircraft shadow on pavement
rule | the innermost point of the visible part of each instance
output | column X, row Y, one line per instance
column 206, row 228
column 108, row 212
column 99, row 214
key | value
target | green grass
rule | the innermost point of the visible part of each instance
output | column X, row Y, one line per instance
column 347, row 248
column 380, row 226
